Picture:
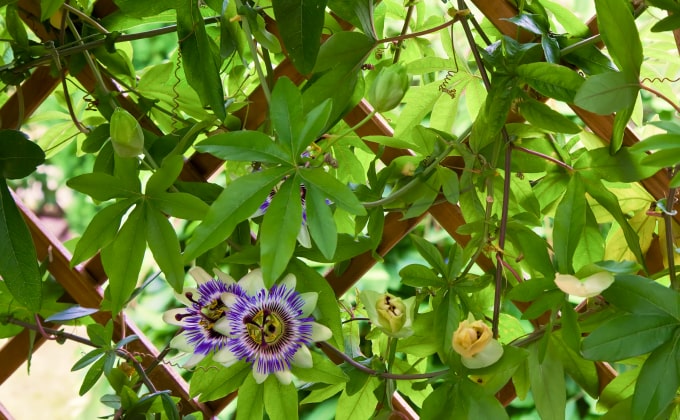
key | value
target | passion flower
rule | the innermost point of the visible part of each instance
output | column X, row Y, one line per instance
column 475, row 344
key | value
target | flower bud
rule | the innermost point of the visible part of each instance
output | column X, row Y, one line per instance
column 126, row 134
column 475, row 344
column 388, row 88
column 388, row 313
column 391, row 312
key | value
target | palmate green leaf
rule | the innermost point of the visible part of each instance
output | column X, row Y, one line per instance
column 533, row 248
column 245, row 146
column 643, row 296
column 431, row 254
column 280, row 401
column 164, row 246
column 620, row 35
column 570, row 219
column 609, row 201
column 15, row 26
column 300, row 23
column 101, row 186
column 200, row 66
column 18, row 156
column 420, row 101
column 608, row 92
column 551, row 80
column 334, row 190
column 618, row 389
column 359, row 405
column 566, row 17
column 627, row 336
column 547, row 383
column 323, row 371
column 669, row 23
column 471, row 401
column 658, row 381
column 440, row 404
column 250, row 404
column 583, row 372
column 18, row 259
column 446, row 319
column 100, row 231
column 313, row 125
column 668, row 140
column 286, row 114
column 591, row 247
column 320, row 221
column 279, row 231
column 542, row 116
column 624, row 166
column 88, row 359
column 122, row 258
column 237, row 202
column 418, row 275
column 358, row 12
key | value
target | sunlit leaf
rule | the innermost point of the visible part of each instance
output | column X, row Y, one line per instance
column 300, row 23
column 245, row 146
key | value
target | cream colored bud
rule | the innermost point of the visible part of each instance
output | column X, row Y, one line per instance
column 471, row 337
column 391, row 312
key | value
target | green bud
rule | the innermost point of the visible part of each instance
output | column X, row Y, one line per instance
column 389, row 87
column 126, row 134
column 391, row 312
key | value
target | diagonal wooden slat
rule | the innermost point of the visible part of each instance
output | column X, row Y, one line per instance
column 35, row 90
column 15, row 352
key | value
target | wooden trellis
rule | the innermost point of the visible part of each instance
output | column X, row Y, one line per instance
column 83, row 284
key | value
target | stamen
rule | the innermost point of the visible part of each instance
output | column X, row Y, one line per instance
column 190, row 296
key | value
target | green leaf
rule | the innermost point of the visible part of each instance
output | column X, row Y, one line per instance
column 450, row 184
column 47, row 9
column 323, row 371
column 625, row 165
column 245, row 146
column 165, row 176
column 533, row 248
column 334, row 190
column 286, row 113
column 440, row 404
column 358, row 12
column 591, row 247
column 628, row 336
column 570, row 219
column 18, row 156
column 320, row 221
column 88, row 359
column 140, row 9
column 608, row 92
column 492, row 116
column 164, row 246
column 552, row 80
column 542, row 116
column 658, row 381
column 547, row 383
column 181, row 205
column 250, row 404
column 237, row 202
column 300, row 23
column 101, row 231
column 640, row 295
column 430, row 252
column 69, row 314
column 359, row 405
column 472, row 402
column 280, row 401
column 669, row 23
column 122, row 258
column 200, row 66
column 18, row 259
column 617, row 27
column 620, row 388
column 169, row 407
column 583, row 372
column 313, row 125
column 101, row 335
column 212, row 380
column 101, row 186
column 15, row 26
column 279, row 231
column 446, row 320
column 92, row 376
column 417, row 275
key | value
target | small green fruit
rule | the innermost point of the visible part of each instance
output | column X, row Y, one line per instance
column 389, row 87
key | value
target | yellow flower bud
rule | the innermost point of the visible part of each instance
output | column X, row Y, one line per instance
column 475, row 344
column 391, row 312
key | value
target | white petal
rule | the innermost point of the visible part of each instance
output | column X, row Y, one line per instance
column 284, row 376
column 487, row 357
column 169, row 316
column 289, row 281
column 180, row 343
column 225, row 357
column 302, row 358
column 320, row 332
column 303, row 237
column 598, row 282
column 252, row 282
column 589, row 287
column 224, row 277
column 310, row 299
column 222, row 326
column 199, row 274
column 229, row 299
column 193, row 361
column 259, row 377
column 369, row 298
column 183, row 297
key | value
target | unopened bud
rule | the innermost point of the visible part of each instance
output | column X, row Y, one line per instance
column 126, row 134
column 389, row 87
column 391, row 312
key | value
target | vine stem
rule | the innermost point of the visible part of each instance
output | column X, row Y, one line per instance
column 384, row 375
column 407, row 20
column 256, row 60
column 662, row 96
column 546, row 157
column 86, row 18
column 444, row 25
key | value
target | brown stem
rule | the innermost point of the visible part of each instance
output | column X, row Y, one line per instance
column 546, row 157
column 662, row 96
column 407, row 20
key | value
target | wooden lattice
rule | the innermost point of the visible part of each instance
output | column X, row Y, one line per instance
column 83, row 283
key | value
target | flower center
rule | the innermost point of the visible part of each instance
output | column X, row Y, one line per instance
column 265, row 328
column 211, row 313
